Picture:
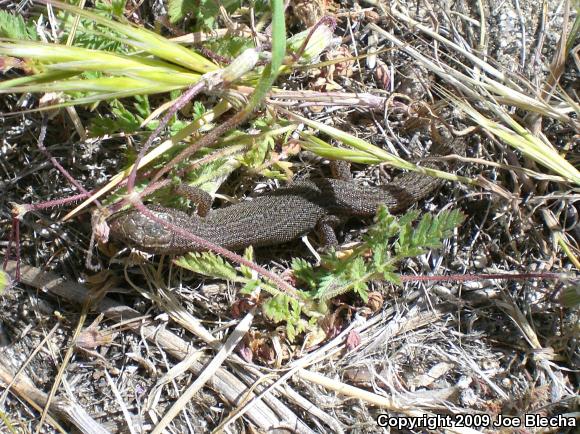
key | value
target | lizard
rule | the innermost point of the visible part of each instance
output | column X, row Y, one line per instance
column 316, row 204
column 285, row 214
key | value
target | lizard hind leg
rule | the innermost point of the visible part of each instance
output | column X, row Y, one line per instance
column 202, row 199
column 325, row 230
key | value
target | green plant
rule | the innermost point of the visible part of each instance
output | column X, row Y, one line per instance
column 14, row 26
column 146, row 63
column 390, row 240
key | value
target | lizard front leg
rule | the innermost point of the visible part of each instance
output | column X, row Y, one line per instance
column 340, row 169
column 202, row 199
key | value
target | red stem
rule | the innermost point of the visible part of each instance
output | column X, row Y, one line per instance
column 53, row 160
column 55, row 202
column 178, row 105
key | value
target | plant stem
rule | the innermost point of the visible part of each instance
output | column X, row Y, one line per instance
column 478, row 277
column 178, row 105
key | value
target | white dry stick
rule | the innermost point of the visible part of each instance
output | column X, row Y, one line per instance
column 541, row 355
column 372, row 398
column 119, row 398
column 208, row 372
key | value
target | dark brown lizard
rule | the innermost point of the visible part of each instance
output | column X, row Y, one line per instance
column 287, row 213
column 274, row 218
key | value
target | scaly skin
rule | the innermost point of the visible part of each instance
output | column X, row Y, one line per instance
column 288, row 213
column 274, row 218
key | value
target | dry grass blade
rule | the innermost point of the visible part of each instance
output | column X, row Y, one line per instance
column 371, row 152
column 121, row 403
column 542, row 356
column 68, row 410
column 64, row 364
column 229, row 346
column 573, row 253
column 469, row 85
column 372, row 398
column 230, row 387
column 521, row 139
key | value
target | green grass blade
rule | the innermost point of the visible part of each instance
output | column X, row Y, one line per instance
column 523, row 140
column 104, row 85
column 376, row 152
column 278, row 52
column 326, row 150
column 42, row 77
column 142, row 39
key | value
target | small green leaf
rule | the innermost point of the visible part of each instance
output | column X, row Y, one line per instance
column 362, row 291
column 249, row 287
column 209, row 177
column 277, row 308
column 206, row 12
column 284, row 308
column 198, row 110
column 304, row 272
column 122, row 119
column 330, row 285
column 420, row 233
column 274, row 174
column 177, row 9
column 380, row 255
column 449, row 221
column 249, row 255
column 358, row 268
column 208, row 264
column 118, row 7
column 385, row 227
column 14, row 27
column 256, row 155
column 408, row 218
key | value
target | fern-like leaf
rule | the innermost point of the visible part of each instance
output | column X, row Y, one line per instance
column 14, row 27
column 208, row 264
